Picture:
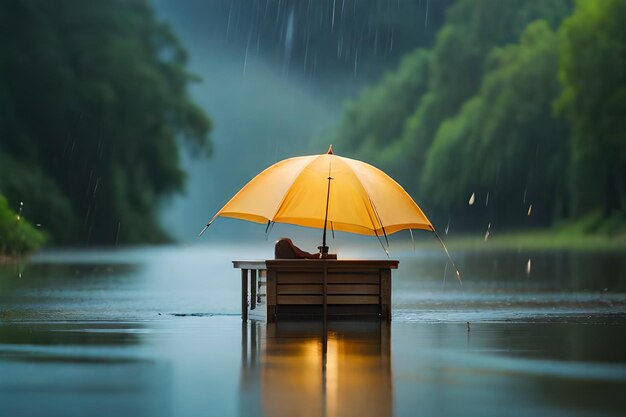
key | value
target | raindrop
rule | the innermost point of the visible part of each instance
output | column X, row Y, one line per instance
column 117, row 234
column 289, row 36
column 332, row 24
column 472, row 198
column 530, row 210
column 245, row 57
column 95, row 189
column 230, row 12
column 524, row 199
column 487, row 199
column 488, row 232
column 528, row 267
column 426, row 18
column 447, row 227
column 19, row 214
column 306, row 53
column 38, row 225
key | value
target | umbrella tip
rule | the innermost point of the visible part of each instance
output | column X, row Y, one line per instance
column 330, row 150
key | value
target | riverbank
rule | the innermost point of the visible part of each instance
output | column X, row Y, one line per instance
column 17, row 236
column 536, row 240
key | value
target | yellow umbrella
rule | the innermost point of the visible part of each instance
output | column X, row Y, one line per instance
column 327, row 190
column 322, row 190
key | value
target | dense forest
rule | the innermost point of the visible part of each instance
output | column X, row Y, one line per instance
column 516, row 106
column 93, row 107
column 514, row 117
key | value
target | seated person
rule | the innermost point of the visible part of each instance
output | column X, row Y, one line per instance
column 285, row 249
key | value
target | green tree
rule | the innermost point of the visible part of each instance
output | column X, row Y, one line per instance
column 456, row 66
column 17, row 236
column 370, row 124
column 505, row 142
column 593, row 74
column 93, row 98
column 459, row 62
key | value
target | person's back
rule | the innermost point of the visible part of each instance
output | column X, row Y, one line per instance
column 285, row 249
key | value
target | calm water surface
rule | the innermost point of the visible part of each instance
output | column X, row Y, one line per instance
column 157, row 332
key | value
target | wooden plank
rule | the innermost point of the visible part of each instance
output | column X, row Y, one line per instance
column 300, row 299
column 304, row 311
column 244, row 294
column 249, row 264
column 299, row 277
column 353, row 299
column 332, row 299
column 353, row 278
column 367, row 271
column 351, row 264
column 318, row 278
column 385, row 294
column 353, row 289
column 315, row 289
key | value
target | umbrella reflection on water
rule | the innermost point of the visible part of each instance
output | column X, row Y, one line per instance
column 341, row 369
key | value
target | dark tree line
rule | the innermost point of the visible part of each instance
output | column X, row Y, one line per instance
column 93, row 105
column 520, row 103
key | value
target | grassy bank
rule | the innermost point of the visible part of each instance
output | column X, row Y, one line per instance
column 17, row 236
column 549, row 239
column 589, row 233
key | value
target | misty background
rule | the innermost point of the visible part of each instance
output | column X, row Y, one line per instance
column 133, row 121
column 274, row 80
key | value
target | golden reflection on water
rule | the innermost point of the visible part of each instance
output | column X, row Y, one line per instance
column 304, row 369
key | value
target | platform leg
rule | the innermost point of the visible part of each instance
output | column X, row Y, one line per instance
column 244, row 294
column 270, row 295
column 385, row 294
column 253, row 288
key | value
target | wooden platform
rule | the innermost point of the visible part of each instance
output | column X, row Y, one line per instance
column 316, row 288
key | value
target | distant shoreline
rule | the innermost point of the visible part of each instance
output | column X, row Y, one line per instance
column 541, row 239
column 9, row 259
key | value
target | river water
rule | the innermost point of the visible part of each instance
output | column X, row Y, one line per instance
column 157, row 332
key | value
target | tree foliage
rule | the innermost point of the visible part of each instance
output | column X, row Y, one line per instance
column 504, row 141
column 371, row 124
column 524, row 104
column 93, row 102
column 457, row 64
column 593, row 101
column 17, row 236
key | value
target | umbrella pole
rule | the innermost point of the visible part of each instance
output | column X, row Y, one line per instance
column 324, row 248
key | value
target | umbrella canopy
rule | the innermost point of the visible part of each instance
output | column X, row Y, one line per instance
column 327, row 190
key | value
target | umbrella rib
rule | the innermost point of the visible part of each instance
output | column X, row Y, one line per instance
column 378, row 218
column 270, row 227
column 381, row 243
column 370, row 200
